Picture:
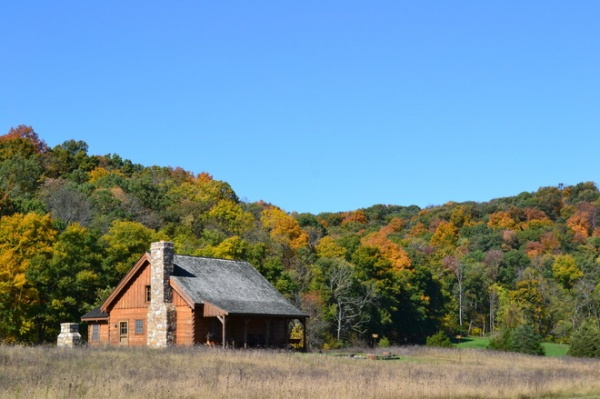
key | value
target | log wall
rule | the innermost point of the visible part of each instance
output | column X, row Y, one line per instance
column 185, row 327
column 103, row 333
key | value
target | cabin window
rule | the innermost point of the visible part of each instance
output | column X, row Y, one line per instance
column 148, row 293
column 95, row 332
column 139, row 326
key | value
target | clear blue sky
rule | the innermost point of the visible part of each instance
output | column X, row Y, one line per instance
column 317, row 106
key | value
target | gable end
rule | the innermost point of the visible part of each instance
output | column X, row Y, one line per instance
column 143, row 262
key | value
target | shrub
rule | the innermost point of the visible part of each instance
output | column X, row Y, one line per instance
column 384, row 342
column 500, row 341
column 522, row 339
column 333, row 343
column 439, row 339
column 476, row 331
column 585, row 341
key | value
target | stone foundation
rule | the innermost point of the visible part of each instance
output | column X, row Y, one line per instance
column 69, row 336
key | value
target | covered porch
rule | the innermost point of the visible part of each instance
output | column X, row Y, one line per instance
column 250, row 331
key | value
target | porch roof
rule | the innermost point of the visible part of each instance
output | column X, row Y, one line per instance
column 233, row 286
column 95, row 314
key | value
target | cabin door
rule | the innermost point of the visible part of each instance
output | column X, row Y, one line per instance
column 123, row 333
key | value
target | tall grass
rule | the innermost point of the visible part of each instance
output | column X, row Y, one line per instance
column 420, row 372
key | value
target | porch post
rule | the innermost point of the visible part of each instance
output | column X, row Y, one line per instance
column 246, row 333
column 303, row 321
column 224, row 332
column 286, row 326
column 267, row 332
column 223, row 319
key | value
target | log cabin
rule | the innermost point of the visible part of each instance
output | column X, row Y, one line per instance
column 168, row 299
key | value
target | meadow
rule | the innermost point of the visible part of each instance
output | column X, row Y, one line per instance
column 550, row 348
column 409, row 372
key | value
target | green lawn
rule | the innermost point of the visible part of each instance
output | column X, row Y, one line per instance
column 471, row 342
column 553, row 350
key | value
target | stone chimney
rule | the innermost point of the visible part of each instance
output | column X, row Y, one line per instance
column 161, row 312
column 69, row 336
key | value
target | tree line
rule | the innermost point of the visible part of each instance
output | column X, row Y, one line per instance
column 72, row 224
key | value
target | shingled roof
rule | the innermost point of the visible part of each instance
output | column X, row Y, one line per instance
column 95, row 314
column 233, row 286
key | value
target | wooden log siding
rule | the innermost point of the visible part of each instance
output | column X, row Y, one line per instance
column 212, row 311
column 129, row 307
column 134, row 296
column 102, row 333
column 184, row 331
column 130, row 316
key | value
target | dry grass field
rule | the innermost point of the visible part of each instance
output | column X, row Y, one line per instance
column 414, row 372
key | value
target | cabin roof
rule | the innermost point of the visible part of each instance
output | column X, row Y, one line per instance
column 233, row 286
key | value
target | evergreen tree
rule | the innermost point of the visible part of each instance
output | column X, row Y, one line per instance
column 585, row 341
column 521, row 339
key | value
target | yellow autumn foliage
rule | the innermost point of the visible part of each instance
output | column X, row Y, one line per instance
column 283, row 228
column 328, row 248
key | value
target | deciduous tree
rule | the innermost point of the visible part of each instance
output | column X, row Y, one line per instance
column 25, row 244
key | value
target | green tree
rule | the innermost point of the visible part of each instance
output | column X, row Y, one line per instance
column 68, row 283
column 408, row 299
column 439, row 339
column 585, row 340
column 512, row 263
column 70, row 160
column 522, row 339
column 349, row 302
column 20, row 176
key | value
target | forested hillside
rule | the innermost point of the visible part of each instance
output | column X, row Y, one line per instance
column 72, row 224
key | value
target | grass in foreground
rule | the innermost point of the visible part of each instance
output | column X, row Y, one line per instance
column 42, row 372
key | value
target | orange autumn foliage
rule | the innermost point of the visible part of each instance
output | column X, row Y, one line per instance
column 501, row 220
column 394, row 226
column 550, row 243
column 389, row 249
column 534, row 249
column 358, row 216
column 580, row 225
column 418, row 229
